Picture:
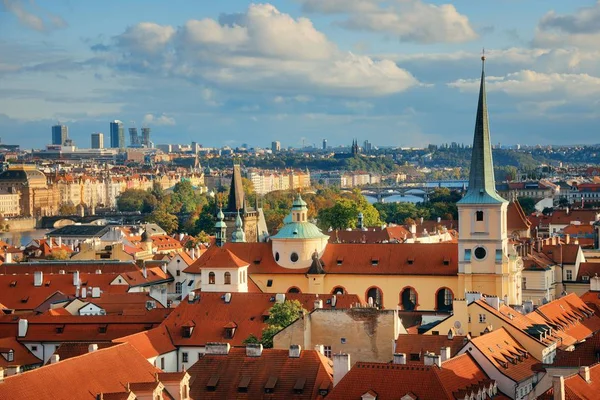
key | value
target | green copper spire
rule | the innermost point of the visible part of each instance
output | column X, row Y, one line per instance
column 482, row 186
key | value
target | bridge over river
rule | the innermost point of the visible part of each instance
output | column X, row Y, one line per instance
column 413, row 189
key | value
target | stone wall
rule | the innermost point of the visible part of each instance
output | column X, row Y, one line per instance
column 21, row 224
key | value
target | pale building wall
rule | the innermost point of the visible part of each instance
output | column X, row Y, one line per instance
column 367, row 334
column 239, row 280
column 194, row 354
column 283, row 249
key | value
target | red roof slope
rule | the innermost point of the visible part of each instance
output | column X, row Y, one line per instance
column 311, row 368
column 21, row 354
column 83, row 377
column 216, row 257
column 151, row 343
column 421, row 344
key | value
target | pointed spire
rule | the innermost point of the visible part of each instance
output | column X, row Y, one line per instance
column 220, row 229
column 482, row 186
column 236, row 191
column 238, row 236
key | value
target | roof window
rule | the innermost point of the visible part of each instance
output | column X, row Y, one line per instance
column 270, row 385
column 212, row 383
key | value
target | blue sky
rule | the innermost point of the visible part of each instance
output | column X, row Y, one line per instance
column 395, row 72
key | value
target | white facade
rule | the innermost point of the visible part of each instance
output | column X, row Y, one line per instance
column 224, row 280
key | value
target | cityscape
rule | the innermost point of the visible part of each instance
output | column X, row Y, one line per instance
column 257, row 223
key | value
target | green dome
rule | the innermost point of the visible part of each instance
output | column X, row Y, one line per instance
column 288, row 219
column 299, row 204
column 299, row 230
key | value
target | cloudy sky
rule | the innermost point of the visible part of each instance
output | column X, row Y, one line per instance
column 395, row 72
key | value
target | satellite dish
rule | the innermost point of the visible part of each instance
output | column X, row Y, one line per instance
column 461, row 332
column 457, row 324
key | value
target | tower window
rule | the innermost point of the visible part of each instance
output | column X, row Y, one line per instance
column 479, row 215
column 211, row 278
column 276, row 256
column 480, row 253
column 294, row 257
column 227, row 278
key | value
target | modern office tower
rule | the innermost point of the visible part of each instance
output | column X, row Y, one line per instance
column 275, row 146
column 60, row 133
column 97, row 140
column 134, row 139
column 117, row 135
column 146, row 136
column 324, row 144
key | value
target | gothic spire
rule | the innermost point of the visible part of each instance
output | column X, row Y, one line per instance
column 482, row 186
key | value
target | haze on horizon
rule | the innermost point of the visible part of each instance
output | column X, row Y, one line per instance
column 398, row 73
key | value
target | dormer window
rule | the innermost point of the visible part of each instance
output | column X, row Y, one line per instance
column 479, row 215
column 410, row 261
column 211, row 278
column 227, row 278
column 186, row 330
column 374, row 261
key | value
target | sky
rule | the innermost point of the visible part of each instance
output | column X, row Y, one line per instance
column 228, row 72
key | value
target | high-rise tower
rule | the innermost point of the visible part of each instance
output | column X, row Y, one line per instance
column 60, row 134
column 486, row 263
column 117, row 135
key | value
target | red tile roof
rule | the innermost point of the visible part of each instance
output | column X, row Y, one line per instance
column 118, row 303
column 561, row 217
column 421, row 344
column 393, row 381
column 589, row 270
column 151, row 343
column 576, row 388
column 306, row 373
column 74, row 349
column 210, row 314
column 586, row 353
column 516, row 219
column 506, row 354
column 396, row 233
column 216, row 257
column 562, row 253
column 84, row 377
column 21, row 355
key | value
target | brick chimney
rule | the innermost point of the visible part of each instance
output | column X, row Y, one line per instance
column 295, row 350
column 584, row 372
column 341, row 366
column 399, row 358
column 558, row 384
column 254, row 350
column 38, row 278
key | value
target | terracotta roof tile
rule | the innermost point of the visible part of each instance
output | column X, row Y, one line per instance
column 306, row 373
column 421, row 344
column 151, row 343
column 74, row 349
column 21, row 354
column 216, row 257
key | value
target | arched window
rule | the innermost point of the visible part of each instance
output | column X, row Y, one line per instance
column 294, row 289
column 211, row 278
column 479, row 215
column 227, row 278
column 376, row 295
column 339, row 290
column 443, row 299
column 178, row 287
column 408, row 298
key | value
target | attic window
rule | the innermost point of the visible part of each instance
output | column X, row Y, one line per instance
column 340, row 261
column 13, row 284
column 446, row 261
column 60, row 329
column 25, row 299
column 211, row 385
column 257, row 261
column 585, row 278
column 229, row 333
column 270, row 385
column 410, row 261
column 299, row 386
column 102, row 329
column 374, row 261
column 187, row 331
column 244, row 383
column 324, row 388
column 269, row 282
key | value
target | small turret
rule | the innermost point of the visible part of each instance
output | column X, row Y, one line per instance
column 220, row 229
column 361, row 224
column 238, row 236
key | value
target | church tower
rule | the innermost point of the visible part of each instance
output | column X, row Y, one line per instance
column 487, row 263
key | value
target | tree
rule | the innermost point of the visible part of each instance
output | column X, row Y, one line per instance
column 165, row 220
column 67, row 209
column 183, row 193
column 528, row 205
column 249, row 193
column 280, row 316
column 59, row 254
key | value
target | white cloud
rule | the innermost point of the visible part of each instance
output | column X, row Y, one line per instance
column 410, row 20
column 580, row 29
column 261, row 49
column 158, row 120
column 30, row 19
column 527, row 83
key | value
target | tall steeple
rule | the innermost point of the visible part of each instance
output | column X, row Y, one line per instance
column 236, row 192
column 482, row 185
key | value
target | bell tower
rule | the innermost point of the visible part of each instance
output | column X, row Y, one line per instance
column 486, row 263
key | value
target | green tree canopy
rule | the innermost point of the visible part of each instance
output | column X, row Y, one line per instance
column 280, row 316
column 165, row 220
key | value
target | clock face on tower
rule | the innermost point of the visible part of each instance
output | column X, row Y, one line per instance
column 480, row 253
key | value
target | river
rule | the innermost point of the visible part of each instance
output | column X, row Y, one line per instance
column 22, row 238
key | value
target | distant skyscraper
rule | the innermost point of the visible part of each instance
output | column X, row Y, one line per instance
column 146, row 136
column 60, row 133
column 97, row 140
column 275, row 146
column 117, row 135
column 134, row 139
column 324, row 144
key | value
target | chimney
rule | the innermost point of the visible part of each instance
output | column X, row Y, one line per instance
column 145, row 272
column 54, row 358
column 527, row 306
column 23, row 325
column 341, row 366
column 472, row 296
column 83, row 293
column 584, row 372
column 558, row 384
column 318, row 303
column 254, row 349
column 213, row 348
column 98, row 272
column 432, row 359
column 191, row 296
column 399, row 358
column 413, row 229
column 95, row 292
column 538, row 245
column 595, row 283
column 92, row 348
column 227, row 297
column 164, row 268
column 333, row 300
column 319, row 348
column 295, row 350
column 493, row 301
column 445, row 353
column 38, row 278
column 567, row 238
column 76, row 278
column 280, row 298
column 60, row 241
column 8, row 257
column 1, row 375
column 193, row 253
